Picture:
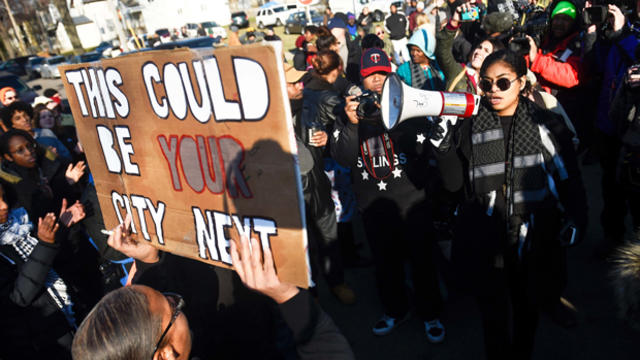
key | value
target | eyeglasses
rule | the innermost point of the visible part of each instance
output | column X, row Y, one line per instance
column 379, row 33
column 176, row 302
column 503, row 84
column 30, row 147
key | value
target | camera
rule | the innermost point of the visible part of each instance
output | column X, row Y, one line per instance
column 537, row 21
column 369, row 107
column 595, row 15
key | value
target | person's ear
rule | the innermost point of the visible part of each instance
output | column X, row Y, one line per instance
column 523, row 82
column 166, row 353
column 8, row 158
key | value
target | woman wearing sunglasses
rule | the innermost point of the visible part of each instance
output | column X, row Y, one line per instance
column 515, row 167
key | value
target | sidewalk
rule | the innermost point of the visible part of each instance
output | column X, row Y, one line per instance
column 598, row 335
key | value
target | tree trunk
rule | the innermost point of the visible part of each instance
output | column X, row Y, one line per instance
column 6, row 41
column 69, row 26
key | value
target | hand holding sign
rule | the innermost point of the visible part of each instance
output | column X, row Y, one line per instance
column 258, row 275
column 121, row 240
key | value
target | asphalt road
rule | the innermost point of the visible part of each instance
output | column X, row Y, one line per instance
column 48, row 83
column 599, row 334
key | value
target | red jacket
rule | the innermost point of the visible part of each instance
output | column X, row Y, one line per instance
column 559, row 68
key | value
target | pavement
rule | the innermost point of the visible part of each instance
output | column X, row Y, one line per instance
column 598, row 335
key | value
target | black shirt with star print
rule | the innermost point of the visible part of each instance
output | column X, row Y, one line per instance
column 361, row 147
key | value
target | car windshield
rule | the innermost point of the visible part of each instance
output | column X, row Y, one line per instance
column 89, row 57
column 36, row 61
column 13, row 82
column 278, row 9
column 56, row 60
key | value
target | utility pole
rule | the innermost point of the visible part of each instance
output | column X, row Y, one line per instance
column 121, row 36
column 16, row 29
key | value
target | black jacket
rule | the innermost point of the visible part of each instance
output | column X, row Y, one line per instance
column 396, row 24
column 405, row 184
column 25, row 189
column 321, row 107
column 244, row 327
column 32, row 325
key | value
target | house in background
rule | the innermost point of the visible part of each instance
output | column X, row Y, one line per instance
column 170, row 14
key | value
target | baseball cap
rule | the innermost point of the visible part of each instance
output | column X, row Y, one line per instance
column 292, row 75
column 374, row 60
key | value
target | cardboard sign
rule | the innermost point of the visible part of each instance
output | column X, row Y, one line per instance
column 198, row 147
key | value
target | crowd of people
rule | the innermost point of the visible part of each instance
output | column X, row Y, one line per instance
column 560, row 87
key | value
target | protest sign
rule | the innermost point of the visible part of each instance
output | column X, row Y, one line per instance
column 198, row 147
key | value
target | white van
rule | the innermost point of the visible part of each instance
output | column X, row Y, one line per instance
column 378, row 8
column 275, row 15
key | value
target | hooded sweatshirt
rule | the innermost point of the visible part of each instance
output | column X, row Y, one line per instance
column 426, row 42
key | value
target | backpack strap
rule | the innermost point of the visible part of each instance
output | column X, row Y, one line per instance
column 457, row 79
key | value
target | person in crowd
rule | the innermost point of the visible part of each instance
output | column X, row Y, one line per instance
column 390, row 174
column 8, row 95
column 352, row 25
column 422, row 71
column 397, row 25
column 348, row 48
column 306, row 48
column 327, row 16
column 37, row 311
column 365, row 20
column 410, row 7
column 142, row 323
column 19, row 115
column 616, row 50
column 423, row 22
column 626, row 117
column 270, row 35
column 510, row 232
column 36, row 176
column 412, row 17
column 321, row 106
column 462, row 77
column 388, row 46
column 46, row 126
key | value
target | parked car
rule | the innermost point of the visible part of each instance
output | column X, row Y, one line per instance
column 164, row 35
column 378, row 8
column 213, row 30
column 32, row 68
column 25, row 93
column 105, row 45
column 86, row 57
column 142, row 41
column 16, row 65
column 200, row 42
column 240, row 19
column 50, row 65
column 275, row 15
column 192, row 30
column 298, row 20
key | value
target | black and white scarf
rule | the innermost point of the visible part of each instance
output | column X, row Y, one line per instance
column 525, row 172
column 17, row 233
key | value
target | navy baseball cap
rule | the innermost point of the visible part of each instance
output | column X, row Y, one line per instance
column 374, row 60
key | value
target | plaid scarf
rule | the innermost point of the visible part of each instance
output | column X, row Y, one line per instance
column 420, row 76
column 17, row 233
column 524, row 172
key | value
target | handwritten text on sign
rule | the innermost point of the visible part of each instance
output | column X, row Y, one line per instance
column 196, row 148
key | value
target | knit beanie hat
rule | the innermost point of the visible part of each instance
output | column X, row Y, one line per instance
column 566, row 8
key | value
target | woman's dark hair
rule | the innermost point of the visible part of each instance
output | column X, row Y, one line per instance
column 50, row 92
column 312, row 29
column 4, row 139
column 325, row 62
column 515, row 62
column 120, row 326
column 371, row 41
column 7, row 112
column 323, row 31
column 324, row 42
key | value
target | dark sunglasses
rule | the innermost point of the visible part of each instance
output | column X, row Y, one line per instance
column 176, row 302
column 503, row 84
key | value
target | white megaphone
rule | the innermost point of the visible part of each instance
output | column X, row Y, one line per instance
column 400, row 102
